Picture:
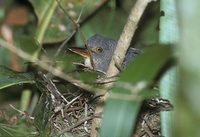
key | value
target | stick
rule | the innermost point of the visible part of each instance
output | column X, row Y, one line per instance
column 126, row 37
column 78, row 123
column 47, row 67
column 120, row 52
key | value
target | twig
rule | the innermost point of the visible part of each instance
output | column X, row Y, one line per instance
column 63, row 43
column 86, row 115
column 78, row 123
column 52, row 88
column 126, row 36
column 120, row 52
column 47, row 67
column 76, row 26
column 21, row 112
column 62, row 106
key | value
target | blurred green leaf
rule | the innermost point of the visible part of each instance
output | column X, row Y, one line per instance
column 122, row 107
column 148, row 28
column 27, row 44
column 65, row 61
column 10, row 78
column 119, row 118
column 112, row 24
column 147, row 65
column 40, row 7
column 107, row 28
column 150, row 93
column 60, row 26
column 5, row 57
column 88, row 77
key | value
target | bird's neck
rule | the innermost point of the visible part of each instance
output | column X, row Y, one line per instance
column 88, row 63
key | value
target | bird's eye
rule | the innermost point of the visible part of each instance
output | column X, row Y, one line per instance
column 99, row 50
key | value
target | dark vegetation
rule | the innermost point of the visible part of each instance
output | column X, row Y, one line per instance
column 46, row 90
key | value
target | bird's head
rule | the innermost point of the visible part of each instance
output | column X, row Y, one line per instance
column 98, row 52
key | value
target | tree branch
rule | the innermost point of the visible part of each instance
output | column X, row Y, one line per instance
column 120, row 52
column 126, row 37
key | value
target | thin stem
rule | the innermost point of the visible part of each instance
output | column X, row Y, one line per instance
column 46, row 66
column 44, row 23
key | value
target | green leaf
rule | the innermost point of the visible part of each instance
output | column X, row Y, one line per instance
column 119, row 118
column 148, row 28
column 88, row 77
column 10, row 78
column 5, row 57
column 108, row 28
column 147, row 65
column 60, row 26
column 27, row 43
column 65, row 60
column 123, row 104
column 40, row 7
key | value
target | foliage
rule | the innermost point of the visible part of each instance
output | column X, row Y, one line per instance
column 10, row 78
column 120, row 107
column 42, row 35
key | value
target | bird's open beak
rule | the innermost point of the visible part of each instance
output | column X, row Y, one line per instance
column 80, row 51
